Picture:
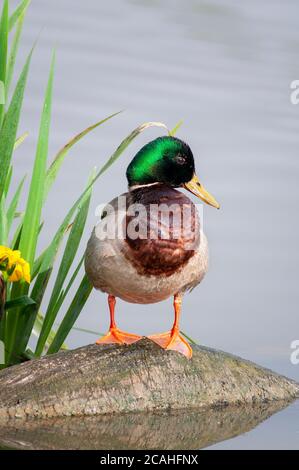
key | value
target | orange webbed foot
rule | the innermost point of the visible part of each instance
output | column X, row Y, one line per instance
column 173, row 341
column 116, row 336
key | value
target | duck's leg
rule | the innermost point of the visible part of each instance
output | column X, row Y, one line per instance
column 114, row 335
column 172, row 339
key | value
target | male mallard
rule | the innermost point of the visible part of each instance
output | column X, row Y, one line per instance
column 149, row 258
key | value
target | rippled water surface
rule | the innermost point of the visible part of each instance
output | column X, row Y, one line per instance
column 225, row 67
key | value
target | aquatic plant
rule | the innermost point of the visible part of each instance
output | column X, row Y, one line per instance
column 24, row 272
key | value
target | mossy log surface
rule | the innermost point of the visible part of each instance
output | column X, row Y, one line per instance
column 98, row 380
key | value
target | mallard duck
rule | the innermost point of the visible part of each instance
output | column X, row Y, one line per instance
column 149, row 245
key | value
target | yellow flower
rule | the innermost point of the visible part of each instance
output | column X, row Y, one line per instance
column 4, row 253
column 15, row 266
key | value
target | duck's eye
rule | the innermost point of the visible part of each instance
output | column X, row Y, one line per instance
column 180, row 160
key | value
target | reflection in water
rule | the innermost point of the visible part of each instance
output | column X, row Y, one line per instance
column 176, row 430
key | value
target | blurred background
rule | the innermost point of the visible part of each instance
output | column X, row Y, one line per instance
column 225, row 68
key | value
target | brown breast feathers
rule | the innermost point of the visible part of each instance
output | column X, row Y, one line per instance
column 162, row 230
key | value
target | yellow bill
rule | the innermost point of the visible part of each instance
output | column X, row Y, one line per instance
column 195, row 187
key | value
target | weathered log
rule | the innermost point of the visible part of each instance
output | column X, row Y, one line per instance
column 97, row 380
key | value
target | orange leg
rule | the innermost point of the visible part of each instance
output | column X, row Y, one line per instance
column 114, row 335
column 172, row 339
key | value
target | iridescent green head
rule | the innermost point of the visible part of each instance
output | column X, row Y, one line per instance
column 163, row 160
column 167, row 160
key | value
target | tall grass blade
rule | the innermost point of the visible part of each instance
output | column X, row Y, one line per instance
column 15, row 242
column 192, row 341
column 71, row 315
column 3, row 223
column 126, row 142
column 31, row 221
column 65, row 292
column 20, row 140
column 11, row 211
column 27, row 316
column 176, row 128
column 58, row 160
column 65, row 265
column 22, row 301
column 10, row 125
column 2, row 92
column 7, row 182
column 14, row 17
column 86, row 330
column 13, row 52
column 35, row 319
column 37, row 329
column 3, row 53
column 32, row 216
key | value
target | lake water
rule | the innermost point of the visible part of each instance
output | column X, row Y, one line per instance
column 225, row 67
